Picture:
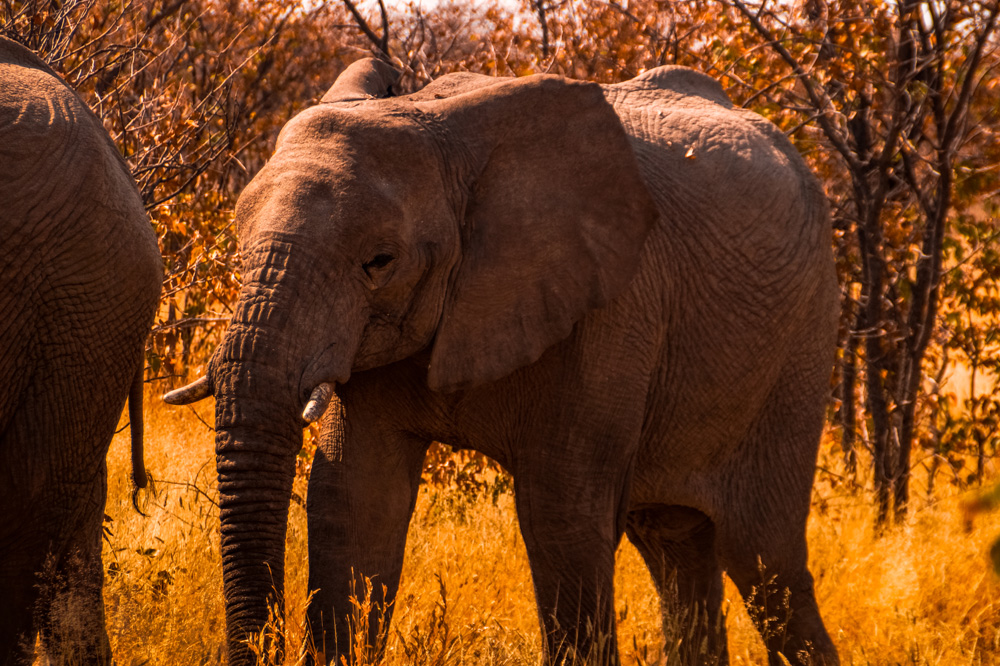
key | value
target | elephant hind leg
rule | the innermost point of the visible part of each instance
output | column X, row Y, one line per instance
column 762, row 531
column 55, row 597
column 678, row 545
column 24, row 551
column 51, row 577
column 17, row 617
column 782, row 604
column 72, row 628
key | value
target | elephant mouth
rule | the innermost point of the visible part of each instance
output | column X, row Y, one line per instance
column 316, row 405
column 327, row 369
column 319, row 397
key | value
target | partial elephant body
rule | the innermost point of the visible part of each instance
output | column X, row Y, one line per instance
column 745, row 307
column 700, row 388
column 625, row 294
column 79, row 280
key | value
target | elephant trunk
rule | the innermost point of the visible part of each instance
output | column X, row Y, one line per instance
column 258, row 435
column 255, row 375
column 254, row 492
column 273, row 352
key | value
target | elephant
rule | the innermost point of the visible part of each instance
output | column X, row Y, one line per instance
column 80, row 276
column 624, row 294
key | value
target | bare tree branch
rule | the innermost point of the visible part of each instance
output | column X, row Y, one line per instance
column 816, row 94
column 380, row 43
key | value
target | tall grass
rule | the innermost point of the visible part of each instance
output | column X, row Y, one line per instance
column 923, row 593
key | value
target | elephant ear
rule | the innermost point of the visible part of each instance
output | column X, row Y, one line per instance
column 364, row 79
column 556, row 217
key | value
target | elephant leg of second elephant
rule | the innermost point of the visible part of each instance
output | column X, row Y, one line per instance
column 57, row 505
column 72, row 628
column 678, row 545
column 362, row 490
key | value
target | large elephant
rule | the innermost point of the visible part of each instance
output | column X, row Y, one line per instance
column 625, row 294
column 80, row 277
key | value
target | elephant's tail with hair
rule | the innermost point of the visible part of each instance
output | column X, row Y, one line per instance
column 139, row 478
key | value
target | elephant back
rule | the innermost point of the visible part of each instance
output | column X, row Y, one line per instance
column 682, row 81
column 720, row 172
column 72, row 217
column 56, row 155
column 740, row 212
column 12, row 53
column 45, row 125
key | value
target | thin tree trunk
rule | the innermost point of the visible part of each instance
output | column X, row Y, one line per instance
column 872, row 287
column 540, row 9
column 848, row 413
column 976, row 432
column 934, row 429
column 901, row 475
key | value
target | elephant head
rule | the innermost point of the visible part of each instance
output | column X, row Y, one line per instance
column 467, row 227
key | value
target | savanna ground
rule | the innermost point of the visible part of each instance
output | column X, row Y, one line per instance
column 923, row 593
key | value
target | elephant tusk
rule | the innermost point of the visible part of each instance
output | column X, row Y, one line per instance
column 193, row 392
column 318, row 402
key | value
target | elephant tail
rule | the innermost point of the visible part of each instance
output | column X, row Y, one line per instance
column 139, row 477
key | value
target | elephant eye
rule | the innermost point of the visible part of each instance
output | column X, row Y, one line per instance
column 379, row 261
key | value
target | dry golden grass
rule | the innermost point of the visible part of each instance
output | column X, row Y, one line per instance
column 922, row 594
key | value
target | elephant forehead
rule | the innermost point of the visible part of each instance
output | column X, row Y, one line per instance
column 310, row 126
column 370, row 126
column 376, row 156
column 369, row 140
column 296, row 195
column 346, row 170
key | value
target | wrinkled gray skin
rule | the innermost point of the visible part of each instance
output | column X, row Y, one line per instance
column 79, row 280
column 625, row 294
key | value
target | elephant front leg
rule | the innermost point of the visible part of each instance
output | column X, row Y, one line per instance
column 362, row 491
column 572, row 525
